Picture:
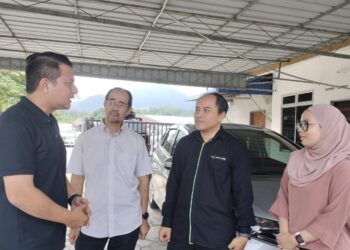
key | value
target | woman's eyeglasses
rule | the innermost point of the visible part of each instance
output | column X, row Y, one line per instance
column 304, row 125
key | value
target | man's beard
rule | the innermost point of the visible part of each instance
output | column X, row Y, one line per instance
column 115, row 119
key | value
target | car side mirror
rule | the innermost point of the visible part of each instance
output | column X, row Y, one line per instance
column 168, row 162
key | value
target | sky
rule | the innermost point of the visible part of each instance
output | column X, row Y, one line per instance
column 87, row 87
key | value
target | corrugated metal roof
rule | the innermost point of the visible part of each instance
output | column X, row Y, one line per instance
column 225, row 36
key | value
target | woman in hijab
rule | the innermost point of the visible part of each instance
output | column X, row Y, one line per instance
column 313, row 203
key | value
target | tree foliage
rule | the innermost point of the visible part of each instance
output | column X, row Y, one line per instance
column 12, row 86
column 66, row 116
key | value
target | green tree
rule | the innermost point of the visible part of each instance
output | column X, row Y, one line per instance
column 12, row 86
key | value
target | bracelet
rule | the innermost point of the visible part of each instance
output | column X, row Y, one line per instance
column 71, row 198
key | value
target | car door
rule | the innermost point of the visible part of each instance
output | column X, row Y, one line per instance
column 161, row 162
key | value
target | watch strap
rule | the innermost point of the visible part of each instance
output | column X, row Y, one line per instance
column 71, row 198
column 145, row 215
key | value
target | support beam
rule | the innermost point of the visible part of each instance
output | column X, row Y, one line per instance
column 276, row 66
column 138, row 52
column 131, row 49
column 168, row 31
column 152, row 75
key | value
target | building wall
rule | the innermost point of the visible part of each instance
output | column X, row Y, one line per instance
column 335, row 71
column 242, row 105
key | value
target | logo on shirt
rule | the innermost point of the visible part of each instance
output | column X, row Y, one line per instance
column 215, row 157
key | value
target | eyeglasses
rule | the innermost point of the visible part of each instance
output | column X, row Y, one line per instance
column 304, row 125
column 114, row 104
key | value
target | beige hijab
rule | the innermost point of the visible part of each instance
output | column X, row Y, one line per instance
column 308, row 164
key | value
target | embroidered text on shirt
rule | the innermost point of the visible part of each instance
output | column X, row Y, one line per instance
column 218, row 157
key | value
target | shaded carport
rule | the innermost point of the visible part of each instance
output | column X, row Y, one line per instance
column 204, row 43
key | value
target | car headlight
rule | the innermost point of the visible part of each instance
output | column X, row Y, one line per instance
column 265, row 230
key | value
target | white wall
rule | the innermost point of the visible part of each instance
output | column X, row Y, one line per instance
column 242, row 105
column 335, row 71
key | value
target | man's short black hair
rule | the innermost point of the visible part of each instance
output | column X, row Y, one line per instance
column 221, row 102
column 43, row 65
column 121, row 89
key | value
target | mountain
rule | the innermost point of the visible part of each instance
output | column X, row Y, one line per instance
column 157, row 96
column 89, row 104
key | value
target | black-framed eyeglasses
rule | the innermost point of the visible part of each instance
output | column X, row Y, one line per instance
column 304, row 125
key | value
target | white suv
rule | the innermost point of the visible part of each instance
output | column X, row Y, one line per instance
column 269, row 153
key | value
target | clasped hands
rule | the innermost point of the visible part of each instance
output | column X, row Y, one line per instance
column 80, row 208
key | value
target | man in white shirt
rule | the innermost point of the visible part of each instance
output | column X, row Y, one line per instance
column 113, row 162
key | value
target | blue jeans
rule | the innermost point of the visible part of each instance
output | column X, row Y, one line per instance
column 120, row 242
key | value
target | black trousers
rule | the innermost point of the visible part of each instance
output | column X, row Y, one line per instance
column 177, row 245
column 120, row 242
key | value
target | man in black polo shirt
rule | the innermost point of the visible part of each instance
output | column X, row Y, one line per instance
column 209, row 196
column 33, row 185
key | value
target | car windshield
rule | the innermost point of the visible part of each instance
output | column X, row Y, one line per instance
column 266, row 149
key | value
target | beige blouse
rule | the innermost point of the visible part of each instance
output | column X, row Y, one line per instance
column 321, row 207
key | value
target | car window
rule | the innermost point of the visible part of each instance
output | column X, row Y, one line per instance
column 269, row 152
column 178, row 138
column 169, row 140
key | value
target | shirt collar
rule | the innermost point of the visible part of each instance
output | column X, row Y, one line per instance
column 219, row 135
column 103, row 127
column 36, row 111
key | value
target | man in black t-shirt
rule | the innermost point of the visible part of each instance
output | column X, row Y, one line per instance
column 33, row 188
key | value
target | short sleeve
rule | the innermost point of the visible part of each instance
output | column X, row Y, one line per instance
column 17, row 150
column 280, row 207
column 75, row 164
column 331, row 223
column 143, row 166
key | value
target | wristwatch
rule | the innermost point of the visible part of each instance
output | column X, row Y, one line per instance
column 299, row 239
column 145, row 216
column 71, row 198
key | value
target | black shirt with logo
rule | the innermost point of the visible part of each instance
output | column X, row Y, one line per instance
column 209, row 194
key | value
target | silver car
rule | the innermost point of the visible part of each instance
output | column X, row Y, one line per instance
column 269, row 152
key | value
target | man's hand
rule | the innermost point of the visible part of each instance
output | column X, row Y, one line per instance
column 144, row 229
column 286, row 241
column 80, row 202
column 77, row 218
column 238, row 243
column 165, row 234
column 73, row 235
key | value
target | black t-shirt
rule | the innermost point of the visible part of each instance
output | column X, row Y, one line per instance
column 30, row 144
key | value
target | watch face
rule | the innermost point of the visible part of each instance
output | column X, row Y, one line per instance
column 299, row 239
